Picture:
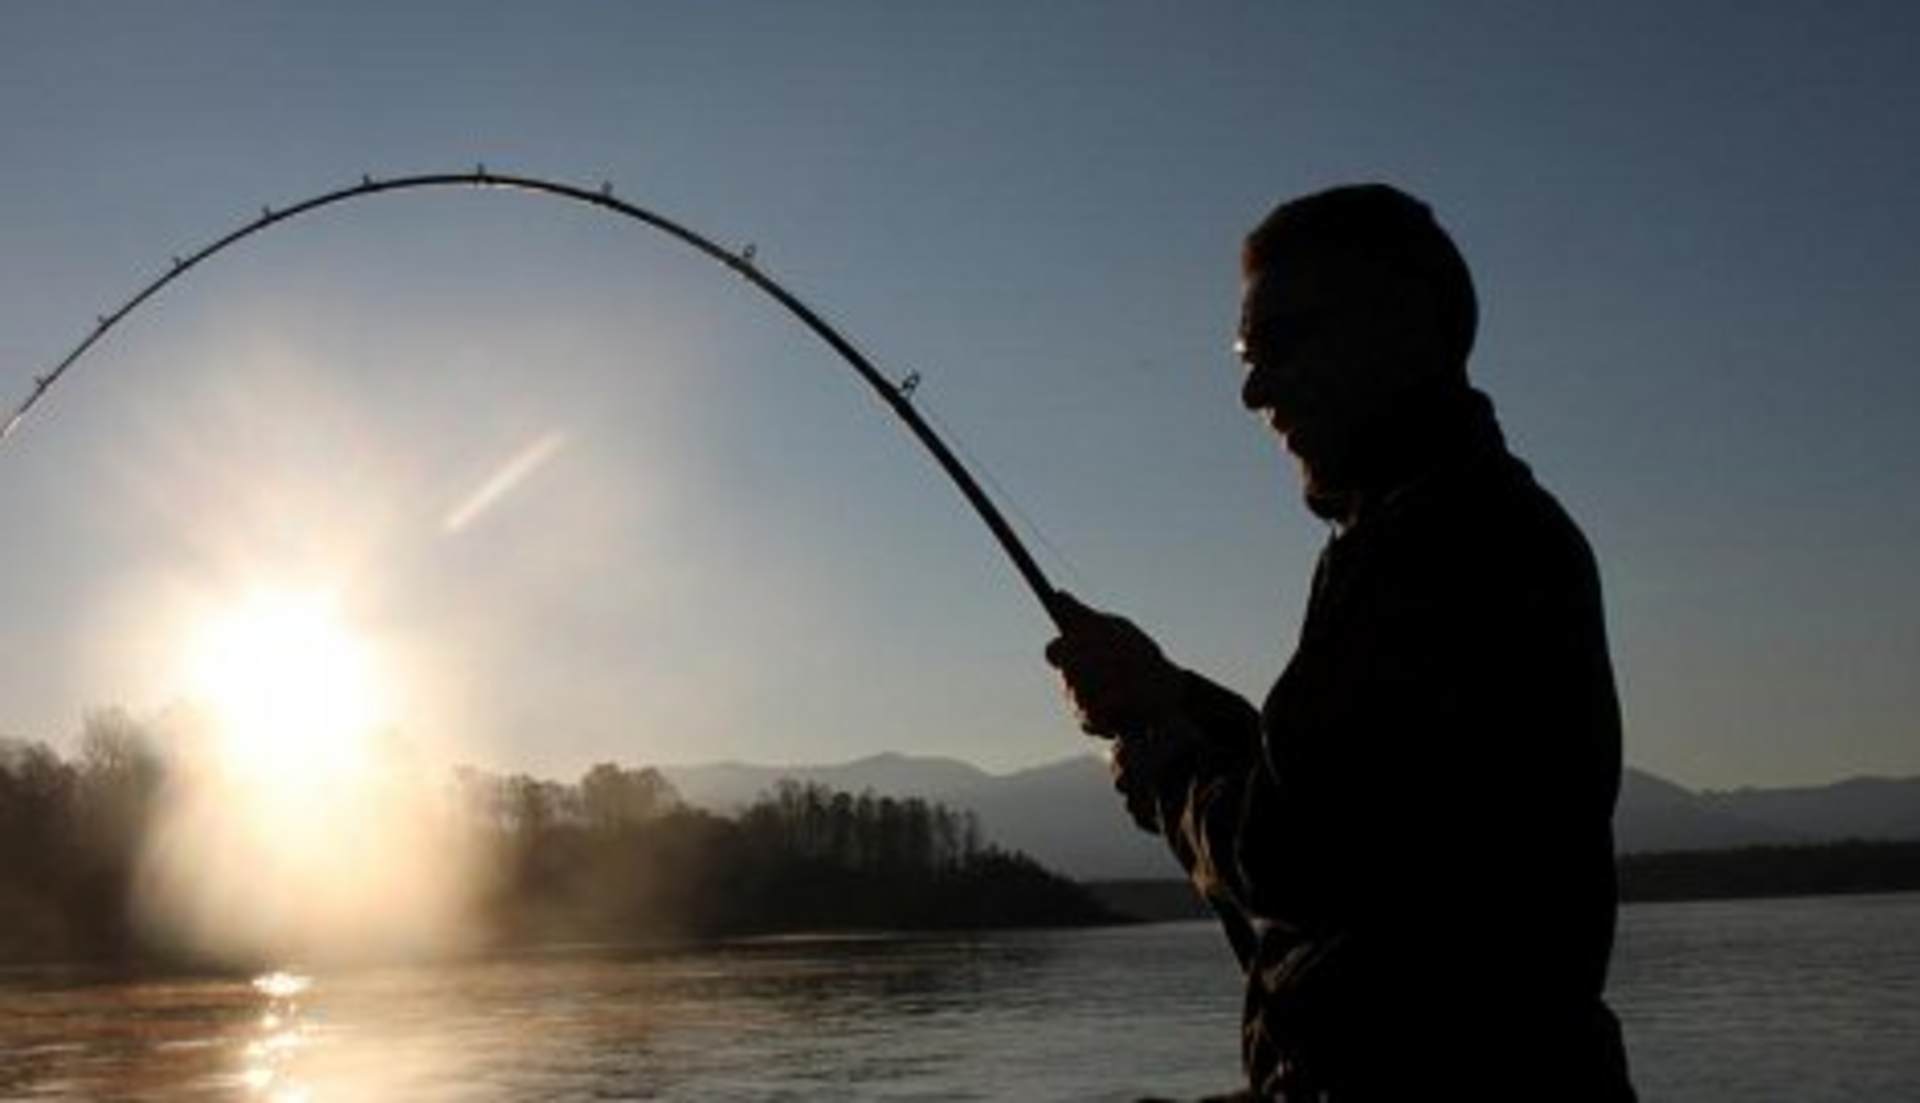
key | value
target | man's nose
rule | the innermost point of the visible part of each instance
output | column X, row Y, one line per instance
column 1256, row 389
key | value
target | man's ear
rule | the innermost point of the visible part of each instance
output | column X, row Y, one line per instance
column 1412, row 326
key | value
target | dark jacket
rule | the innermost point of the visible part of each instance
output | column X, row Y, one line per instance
column 1417, row 825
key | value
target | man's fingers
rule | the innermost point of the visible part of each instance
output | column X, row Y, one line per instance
column 1105, row 714
column 1143, row 811
column 1113, row 672
column 1119, row 754
column 1103, row 709
column 1133, row 760
column 1083, row 638
column 1094, row 680
column 1133, row 780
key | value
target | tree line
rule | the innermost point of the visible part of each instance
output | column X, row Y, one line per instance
column 620, row 855
column 1804, row 869
column 616, row 855
column 70, row 836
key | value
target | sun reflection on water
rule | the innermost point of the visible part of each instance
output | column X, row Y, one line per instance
column 284, row 1031
column 280, row 985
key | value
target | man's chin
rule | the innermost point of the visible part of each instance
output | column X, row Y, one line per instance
column 1320, row 472
column 1303, row 440
column 1327, row 505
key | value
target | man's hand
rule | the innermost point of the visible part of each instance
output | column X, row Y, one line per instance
column 1142, row 766
column 1116, row 677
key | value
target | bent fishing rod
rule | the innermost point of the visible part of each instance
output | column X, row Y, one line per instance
column 897, row 396
column 1062, row 610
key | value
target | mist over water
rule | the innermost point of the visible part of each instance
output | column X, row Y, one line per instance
column 370, row 865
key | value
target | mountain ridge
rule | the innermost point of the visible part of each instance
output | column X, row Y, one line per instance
column 1065, row 814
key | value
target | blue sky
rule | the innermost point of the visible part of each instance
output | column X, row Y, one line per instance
column 1692, row 232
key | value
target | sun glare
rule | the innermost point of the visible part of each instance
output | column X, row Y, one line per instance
column 298, row 821
column 289, row 685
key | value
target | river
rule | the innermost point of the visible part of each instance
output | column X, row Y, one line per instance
column 1807, row 999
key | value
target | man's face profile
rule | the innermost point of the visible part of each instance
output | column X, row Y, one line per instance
column 1327, row 347
column 1292, row 344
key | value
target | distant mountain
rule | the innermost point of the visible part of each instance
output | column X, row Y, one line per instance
column 1655, row 814
column 1858, row 808
column 1066, row 815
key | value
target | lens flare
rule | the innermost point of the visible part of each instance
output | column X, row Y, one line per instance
column 502, row 482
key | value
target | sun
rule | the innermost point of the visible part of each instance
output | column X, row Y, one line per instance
column 295, row 820
column 291, row 687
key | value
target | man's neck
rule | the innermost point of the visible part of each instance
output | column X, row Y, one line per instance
column 1427, row 430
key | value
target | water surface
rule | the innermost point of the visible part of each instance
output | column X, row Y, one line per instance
column 1815, row 999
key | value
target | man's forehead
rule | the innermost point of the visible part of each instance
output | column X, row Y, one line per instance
column 1282, row 290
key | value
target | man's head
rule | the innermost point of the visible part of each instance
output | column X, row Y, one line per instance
column 1354, row 299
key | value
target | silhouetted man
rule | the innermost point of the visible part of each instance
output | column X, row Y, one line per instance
column 1412, row 838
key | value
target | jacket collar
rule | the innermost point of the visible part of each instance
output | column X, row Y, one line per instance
column 1430, row 432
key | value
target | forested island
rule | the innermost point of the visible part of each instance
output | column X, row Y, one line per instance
column 615, row 856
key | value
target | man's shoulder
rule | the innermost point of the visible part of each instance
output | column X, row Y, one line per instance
column 1490, row 516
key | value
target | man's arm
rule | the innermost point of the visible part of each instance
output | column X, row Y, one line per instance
column 1181, row 744
column 1187, row 781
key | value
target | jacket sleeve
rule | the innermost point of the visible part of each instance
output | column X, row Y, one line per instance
column 1198, row 799
column 1348, row 800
